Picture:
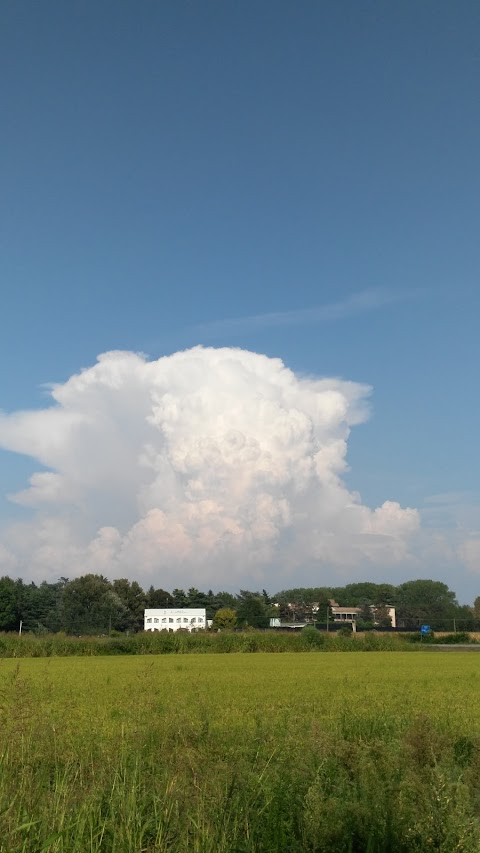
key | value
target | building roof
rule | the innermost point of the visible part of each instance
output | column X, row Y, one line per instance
column 337, row 609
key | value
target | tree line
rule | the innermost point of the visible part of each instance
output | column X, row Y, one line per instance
column 91, row 604
column 416, row 602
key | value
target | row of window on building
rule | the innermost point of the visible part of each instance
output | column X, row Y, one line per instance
column 165, row 619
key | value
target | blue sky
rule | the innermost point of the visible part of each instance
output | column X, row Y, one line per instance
column 296, row 179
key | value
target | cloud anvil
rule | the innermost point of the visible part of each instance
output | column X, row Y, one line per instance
column 206, row 466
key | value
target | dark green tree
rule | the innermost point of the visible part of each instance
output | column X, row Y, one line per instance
column 252, row 611
column 476, row 608
column 224, row 599
column 303, row 596
column 9, row 605
column 30, row 607
column 303, row 603
column 355, row 594
column 382, row 616
column 365, row 617
column 179, row 598
column 158, row 598
column 134, row 600
column 426, row 602
column 197, row 598
column 50, row 596
column 91, row 606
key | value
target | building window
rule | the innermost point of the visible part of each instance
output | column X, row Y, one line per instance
column 156, row 621
column 149, row 619
column 185, row 619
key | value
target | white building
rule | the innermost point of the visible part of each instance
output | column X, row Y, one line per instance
column 174, row 618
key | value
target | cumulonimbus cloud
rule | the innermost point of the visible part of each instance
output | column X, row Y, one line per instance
column 209, row 467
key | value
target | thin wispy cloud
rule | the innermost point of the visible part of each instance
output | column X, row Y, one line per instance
column 453, row 498
column 359, row 303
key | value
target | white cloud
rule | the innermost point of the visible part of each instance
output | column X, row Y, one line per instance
column 8, row 562
column 212, row 467
column 469, row 552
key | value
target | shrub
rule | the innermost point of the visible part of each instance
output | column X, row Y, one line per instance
column 454, row 639
column 418, row 637
column 311, row 639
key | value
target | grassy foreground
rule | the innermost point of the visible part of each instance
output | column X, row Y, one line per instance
column 299, row 752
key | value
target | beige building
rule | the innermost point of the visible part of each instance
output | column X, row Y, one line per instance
column 350, row 614
column 345, row 614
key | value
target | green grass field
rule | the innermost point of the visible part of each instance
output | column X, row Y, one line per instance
column 265, row 752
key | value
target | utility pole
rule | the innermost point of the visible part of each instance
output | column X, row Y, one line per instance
column 20, row 629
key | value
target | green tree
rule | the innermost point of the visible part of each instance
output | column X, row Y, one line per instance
column 134, row 600
column 426, row 602
column 179, row 598
column 476, row 609
column 303, row 595
column 303, row 603
column 9, row 605
column 40, row 607
column 382, row 616
column 225, row 618
column 252, row 611
column 355, row 594
column 50, row 605
column 365, row 618
column 158, row 598
column 196, row 598
column 91, row 606
column 465, row 619
column 224, row 599
column 30, row 608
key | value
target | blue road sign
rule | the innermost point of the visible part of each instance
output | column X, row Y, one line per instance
column 425, row 629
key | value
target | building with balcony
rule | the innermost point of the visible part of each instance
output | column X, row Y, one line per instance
column 350, row 615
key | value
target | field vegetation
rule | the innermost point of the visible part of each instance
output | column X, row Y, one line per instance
column 214, row 753
column 223, row 642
